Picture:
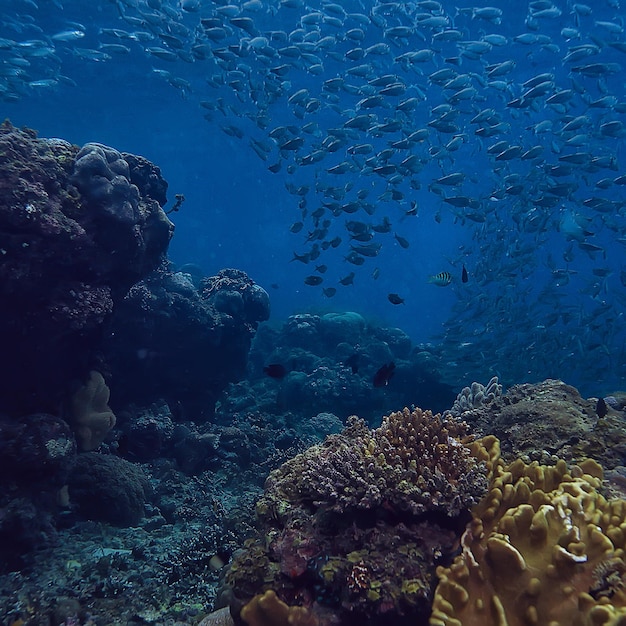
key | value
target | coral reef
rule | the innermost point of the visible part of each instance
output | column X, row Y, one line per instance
column 352, row 528
column 170, row 341
column 90, row 414
column 536, row 421
column 544, row 547
column 330, row 362
column 146, row 432
column 108, row 489
column 77, row 229
column 268, row 610
column 475, row 396
column 36, row 454
column 338, row 532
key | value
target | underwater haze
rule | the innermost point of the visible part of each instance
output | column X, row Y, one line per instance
column 450, row 168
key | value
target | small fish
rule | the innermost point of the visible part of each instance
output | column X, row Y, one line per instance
column 464, row 276
column 347, row 280
column 413, row 210
column 313, row 280
column 329, row 292
column 443, row 279
column 404, row 243
column 384, row 374
column 275, row 370
column 601, row 408
column 394, row 298
column 353, row 362
column 68, row 35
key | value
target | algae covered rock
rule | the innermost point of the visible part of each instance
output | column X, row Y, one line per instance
column 77, row 229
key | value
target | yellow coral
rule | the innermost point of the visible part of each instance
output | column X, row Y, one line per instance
column 268, row 609
column 90, row 414
column 544, row 548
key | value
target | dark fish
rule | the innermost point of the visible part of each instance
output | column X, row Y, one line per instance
column 402, row 241
column 443, row 279
column 384, row 374
column 370, row 250
column 412, row 210
column 394, row 298
column 347, row 280
column 464, row 276
column 601, row 408
column 303, row 258
column 354, row 258
column 275, row 370
column 313, row 280
column 353, row 362
column 329, row 292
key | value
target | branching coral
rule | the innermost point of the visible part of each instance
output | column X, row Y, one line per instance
column 544, row 547
column 353, row 527
column 414, row 462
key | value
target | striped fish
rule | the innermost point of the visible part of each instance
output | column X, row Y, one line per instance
column 443, row 279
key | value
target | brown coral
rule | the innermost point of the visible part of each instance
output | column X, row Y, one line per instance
column 268, row 609
column 544, row 547
column 353, row 527
column 414, row 462
column 91, row 416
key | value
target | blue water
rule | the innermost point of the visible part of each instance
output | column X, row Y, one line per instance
column 538, row 303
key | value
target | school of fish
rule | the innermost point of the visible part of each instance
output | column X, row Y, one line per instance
column 506, row 120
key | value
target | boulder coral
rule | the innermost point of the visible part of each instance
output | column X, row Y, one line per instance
column 544, row 547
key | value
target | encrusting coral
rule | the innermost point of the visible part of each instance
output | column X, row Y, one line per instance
column 352, row 528
column 91, row 416
column 544, row 547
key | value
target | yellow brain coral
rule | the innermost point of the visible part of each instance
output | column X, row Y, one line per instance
column 545, row 548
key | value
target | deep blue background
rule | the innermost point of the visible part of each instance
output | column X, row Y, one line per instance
column 237, row 213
